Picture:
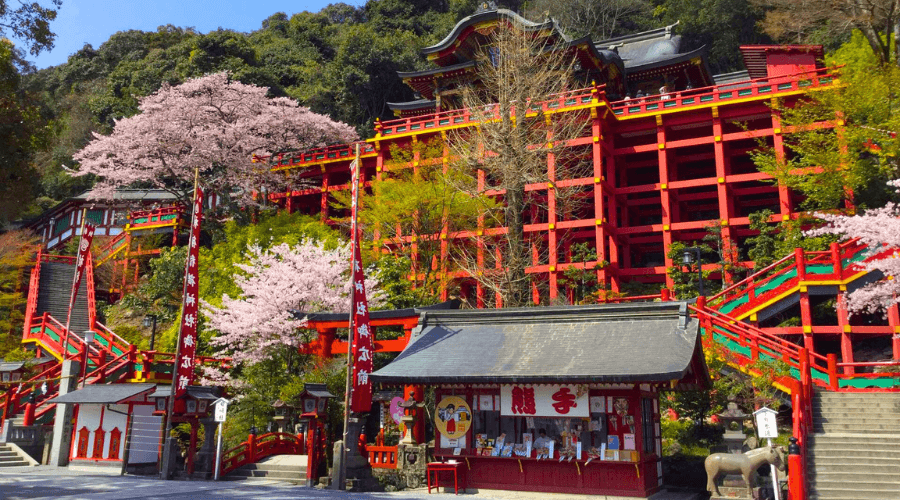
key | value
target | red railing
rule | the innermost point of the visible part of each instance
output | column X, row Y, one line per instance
column 799, row 262
column 382, row 457
column 33, row 292
column 256, row 448
column 767, row 86
column 16, row 397
column 466, row 116
column 109, row 249
column 316, row 156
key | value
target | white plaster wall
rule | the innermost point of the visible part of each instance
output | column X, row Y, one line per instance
column 145, row 435
column 88, row 416
column 113, row 420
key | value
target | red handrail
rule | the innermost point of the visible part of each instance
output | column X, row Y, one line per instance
column 256, row 448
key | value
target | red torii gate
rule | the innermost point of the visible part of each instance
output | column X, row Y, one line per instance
column 326, row 345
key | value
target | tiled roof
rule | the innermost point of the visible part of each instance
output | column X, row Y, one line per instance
column 613, row 343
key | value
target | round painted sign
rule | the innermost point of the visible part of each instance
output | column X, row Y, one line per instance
column 453, row 417
column 395, row 410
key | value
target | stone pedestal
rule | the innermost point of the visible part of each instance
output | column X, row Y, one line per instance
column 62, row 424
column 359, row 472
column 731, row 492
column 412, row 460
column 205, row 461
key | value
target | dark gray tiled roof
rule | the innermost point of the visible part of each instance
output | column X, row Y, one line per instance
column 611, row 343
column 318, row 391
column 103, row 393
column 196, row 391
column 383, row 314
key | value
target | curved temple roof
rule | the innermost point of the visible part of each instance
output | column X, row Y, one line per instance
column 648, row 342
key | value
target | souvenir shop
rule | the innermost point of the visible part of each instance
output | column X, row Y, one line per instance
column 561, row 399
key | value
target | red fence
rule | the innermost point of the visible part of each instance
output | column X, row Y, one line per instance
column 382, row 457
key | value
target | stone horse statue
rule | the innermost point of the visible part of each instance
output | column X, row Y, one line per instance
column 719, row 464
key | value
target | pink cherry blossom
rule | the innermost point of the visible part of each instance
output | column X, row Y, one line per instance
column 211, row 124
column 879, row 229
column 307, row 277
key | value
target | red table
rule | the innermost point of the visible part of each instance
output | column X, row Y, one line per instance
column 445, row 467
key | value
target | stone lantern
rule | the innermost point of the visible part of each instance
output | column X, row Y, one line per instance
column 733, row 419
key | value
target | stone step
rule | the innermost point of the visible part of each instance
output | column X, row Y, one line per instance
column 866, row 464
column 887, row 411
column 273, row 467
column 854, row 428
column 296, row 475
column 860, row 484
column 862, row 422
column 849, row 494
column 855, row 456
column 886, row 479
column 16, row 463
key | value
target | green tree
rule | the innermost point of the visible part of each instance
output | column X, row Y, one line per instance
column 762, row 247
column 17, row 249
column 410, row 207
column 721, row 25
column 30, row 22
column 844, row 144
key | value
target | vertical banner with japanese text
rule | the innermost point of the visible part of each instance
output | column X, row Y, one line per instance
column 361, row 334
column 84, row 248
column 187, row 339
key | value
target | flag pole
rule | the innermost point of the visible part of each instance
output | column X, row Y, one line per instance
column 170, row 405
column 342, row 473
column 65, row 346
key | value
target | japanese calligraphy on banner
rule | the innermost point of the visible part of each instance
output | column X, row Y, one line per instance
column 84, row 249
column 361, row 353
column 544, row 400
column 187, row 340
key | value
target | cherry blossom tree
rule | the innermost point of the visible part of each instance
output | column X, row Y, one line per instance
column 212, row 124
column 307, row 277
column 879, row 229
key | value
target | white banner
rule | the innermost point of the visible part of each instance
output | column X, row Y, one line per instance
column 544, row 400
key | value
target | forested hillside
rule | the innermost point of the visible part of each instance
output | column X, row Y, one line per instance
column 341, row 61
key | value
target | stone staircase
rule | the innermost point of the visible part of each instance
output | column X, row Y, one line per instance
column 287, row 468
column 10, row 457
column 854, row 453
column 55, row 292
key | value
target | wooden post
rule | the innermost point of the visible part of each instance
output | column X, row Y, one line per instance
column 832, row 371
column 800, row 257
column 28, row 419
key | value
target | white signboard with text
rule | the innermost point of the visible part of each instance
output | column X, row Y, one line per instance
column 220, row 409
column 533, row 400
column 765, row 423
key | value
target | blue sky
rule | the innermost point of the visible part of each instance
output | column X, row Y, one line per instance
column 93, row 21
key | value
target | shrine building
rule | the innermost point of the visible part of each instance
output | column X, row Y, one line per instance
column 552, row 399
column 667, row 146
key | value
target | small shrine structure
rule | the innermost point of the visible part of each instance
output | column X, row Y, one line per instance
column 553, row 399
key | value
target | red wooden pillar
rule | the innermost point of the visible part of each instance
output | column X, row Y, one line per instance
column 600, row 236
column 417, row 393
column 28, row 419
column 844, row 323
column 324, row 344
column 665, row 201
column 832, row 371
column 479, row 248
column 805, row 309
column 312, row 451
column 610, row 219
column 784, row 195
column 894, row 321
column 552, row 258
column 192, row 448
column 726, row 202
